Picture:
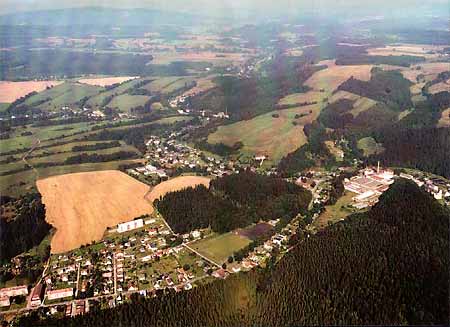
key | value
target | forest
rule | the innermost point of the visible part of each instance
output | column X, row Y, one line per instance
column 389, row 265
column 28, row 227
column 231, row 202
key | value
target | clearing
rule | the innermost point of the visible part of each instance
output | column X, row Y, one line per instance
column 81, row 206
column 219, row 248
column 176, row 184
column 267, row 135
column 106, row 81
column 330, row 78
column 11, row 91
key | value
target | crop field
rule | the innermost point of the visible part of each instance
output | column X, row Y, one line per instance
column 330, row 78
column 295, row 98
column 126, row 102
column 11, row 91
column 420, row 50
column 219, row 248
column 266, row 135
column 106, row 81
column 81, row 206
column 440, row 87
column 444, row 121
column 176, row 184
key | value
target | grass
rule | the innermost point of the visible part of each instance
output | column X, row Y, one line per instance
column 266, row 135
column 167, row 85
column 219, row 248
column 310, row 96
column 336, row 212
column 369, row 146
column 4, row 106
column 126, row 102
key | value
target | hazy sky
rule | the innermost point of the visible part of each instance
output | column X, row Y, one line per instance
column 220, row 7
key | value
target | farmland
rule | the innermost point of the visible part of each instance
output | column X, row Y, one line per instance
column 11, row 91
column 444, row 121
column 105, row 81
column 267, row 135
column 176, row 184
column 361, row 103
column 81, row 206
column 126, row 102
column 311, row 96
column 220, row 247
column 421, row 50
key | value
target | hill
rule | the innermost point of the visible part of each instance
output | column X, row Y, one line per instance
column 389, row 266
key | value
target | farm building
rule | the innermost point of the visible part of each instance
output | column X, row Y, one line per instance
column 130, row 225
column 60, row 294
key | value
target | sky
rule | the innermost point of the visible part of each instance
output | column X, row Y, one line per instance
column 221, row 7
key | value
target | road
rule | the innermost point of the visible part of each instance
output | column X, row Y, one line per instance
column 24, row 158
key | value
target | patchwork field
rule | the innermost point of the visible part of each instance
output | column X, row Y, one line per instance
column 11, row 91
column 330, row 78
column 266, row 135
column 219, row 248
column 81, row 206
column 106, row 81
column 176, row 184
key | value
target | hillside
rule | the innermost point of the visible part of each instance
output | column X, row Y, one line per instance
column 388, row 266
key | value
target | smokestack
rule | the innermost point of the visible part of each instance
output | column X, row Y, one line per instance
column 378, row 167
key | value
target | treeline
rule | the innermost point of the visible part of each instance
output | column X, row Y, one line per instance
column 27, row 229
column 219, row 148
column 389, row 266
column 364, row 59
column 231, row 202
column 92, row 158
column 389, row 87
column 96, row 146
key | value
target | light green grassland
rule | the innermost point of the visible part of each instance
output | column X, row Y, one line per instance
column 219, row 248
column 126, row 102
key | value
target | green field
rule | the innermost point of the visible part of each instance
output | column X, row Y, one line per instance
column 369, row 146
column 167, row 85
column 266, row 135
column 219, row 248
column 65, row 94
column 126, row 102
column 4, row 106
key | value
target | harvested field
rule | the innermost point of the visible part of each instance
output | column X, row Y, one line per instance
column 81, row 206
column 268, row 135
column 445, row 119
column 430, row 70
column 330, row 78
column 11, row 91
column 106, row 81
column 176, row 184
column 420, row 50
column 440, row 87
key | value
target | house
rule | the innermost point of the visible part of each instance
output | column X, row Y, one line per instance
column 4, row 301
column 60, row 294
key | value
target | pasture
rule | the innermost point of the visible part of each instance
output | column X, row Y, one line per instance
column 105, row 81
column 266, row 135
column 11, row 91
column 176, row 184
column 126, row 102
column 330, row 78
column 360, row 105
column 336, row 212
column 296, row 98
column 219, row 248
column 81, row 206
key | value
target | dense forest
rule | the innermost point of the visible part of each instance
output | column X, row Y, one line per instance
column 22, row 224
column 389, row 266
column 232, row 201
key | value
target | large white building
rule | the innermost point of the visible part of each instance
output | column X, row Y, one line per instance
column 14, row 291
column 130, row 225
column 59, row 294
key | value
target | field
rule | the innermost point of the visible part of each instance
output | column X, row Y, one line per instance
column 444, row 121
column 11, row 91
column 440, row 87
column 369, row 146
column 126, row 102
column 81, row 206
column 361, row 103
column 336, row 212
column 330, row 78
column 166, row 85
column 176, row 184
column 255, row 231
column 420, row 50
column 430, row 70
column 203, row 85
column 204, row 56
column 266, row 135
column 219, row 248
column 295, row 98
column 105, row 81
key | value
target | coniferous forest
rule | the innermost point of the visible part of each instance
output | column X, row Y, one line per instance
column 387, row 266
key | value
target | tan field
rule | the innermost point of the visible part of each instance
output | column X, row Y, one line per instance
column 176, row 184
column 445, row 119
column 106, row 81
column 429, row 69
column 302, row 98
column 203, row 85
column 11, row 91
column 420, row 50
column 330, row 78
column 361, row 103
column 82, row 205
column 440, row 87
